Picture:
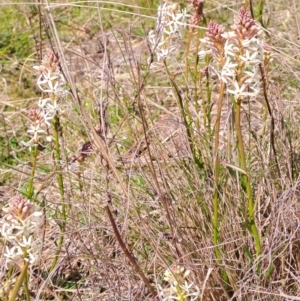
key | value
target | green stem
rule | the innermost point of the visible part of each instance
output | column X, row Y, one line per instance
column 250, row 220
column 30, row 185
column 58, row 167
column 217, row 173
column 217, row 183
column 207, row 108
column 197, row 155
column 26, row 289
column 186, row 71
column 56, row 132
column 19, row 282
column 260, row 12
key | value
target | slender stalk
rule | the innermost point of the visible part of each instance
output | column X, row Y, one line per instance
column 197, row 83
column 217, row 183
column 128, row 253
column 185, row 110
column 260, row 9
column 217, row 172
column 56, row 133
column 19, row 282
column 30, row 188
column 26, row 288
column 57, row 155
column 250, row 220
column 197, row 155
column 188, row 44
column 207, row 107
column 245, row 181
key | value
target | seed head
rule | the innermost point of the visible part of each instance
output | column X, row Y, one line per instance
column 50, row 60
column 35, row 115
column 18, row 209
column 244, row 26
column 198, row 13
column 214, row 35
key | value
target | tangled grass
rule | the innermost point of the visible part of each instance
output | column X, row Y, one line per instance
column 150, row 152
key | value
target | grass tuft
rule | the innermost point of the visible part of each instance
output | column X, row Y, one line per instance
column 149, row 151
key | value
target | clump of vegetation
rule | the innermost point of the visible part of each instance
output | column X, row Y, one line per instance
column 153, row 155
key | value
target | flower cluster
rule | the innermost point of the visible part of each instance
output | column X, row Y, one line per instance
column 169, row 25
column 179, row 287
column 51, row 82
column 20, row 225
column 237, row 54
column 37, row 127
column 198, row 13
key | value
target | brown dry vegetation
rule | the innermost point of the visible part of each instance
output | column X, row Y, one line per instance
column 143, row 199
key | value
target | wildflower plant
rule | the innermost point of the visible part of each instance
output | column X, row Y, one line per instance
column 179, row 287
column 52, row 83
column 238, row 58
column 45, row 121
column 169, row 26
column 37, row 128
column 20, row 229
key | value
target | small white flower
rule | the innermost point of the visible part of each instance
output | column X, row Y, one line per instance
column 37, row 214
column 253, row 73
column 203, row 41
column 12, row 254
column 249, row 58
column 30, row 258
column 152, row 37
column 253, row 43
column 228, row 70
column 26, row 227
column 32, row 223
column 53, row 107
column 230, row 49
column 175, row 23
column 228, row 35
column 239, row 92
column 61, row 92
column 26, row 242
column 39, row 68
column 226, row 74
column 48, row 116
column 45, row 82
column 43, row 102
column 255, row 88
column 29, row 144
column 186, row 273
column 162, row 54
column 202, row 54
column 7, row 231
column 35, row 130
